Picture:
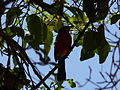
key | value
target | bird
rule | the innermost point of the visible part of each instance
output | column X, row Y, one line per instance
column 62, row 46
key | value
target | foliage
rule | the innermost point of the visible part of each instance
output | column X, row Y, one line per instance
column 31, row 25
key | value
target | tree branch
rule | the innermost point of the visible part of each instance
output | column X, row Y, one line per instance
column 80, row 34
column 22, row 54
column 42, row 4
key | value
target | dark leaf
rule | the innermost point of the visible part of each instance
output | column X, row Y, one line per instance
column 44, row 31
column 85, row 54
column 102, row 9
column 104, row 47
column 55, row 8
column 10, row 32
column 89, row 8
column 34, row 25
column 103, row 52
column 12, row 14
column 18, row 31
column 13, row 31
column 114, row 19
column 31, row 40
column 38, row 30
column 89, row 41
column 101, row 41
column 15, row 61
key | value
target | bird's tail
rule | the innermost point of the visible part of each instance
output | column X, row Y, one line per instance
column 61, row 70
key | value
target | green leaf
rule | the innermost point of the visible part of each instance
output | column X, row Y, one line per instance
column 44, row 31
column 13, row 31
column 38, row 29
column 43, row 88
column 58, row 24
column 31, row 40
column 80, row 42
column 103, row 52
column 104, row 47
column 114, row 19
column 89, row 41
column 34, row 25
column 70, row 19
column 14, row 61
column 51, row 83
column 12, row 14
column 55, row 8
column 71, row 83
column 47, row 45
column 58, row 88
column 85, row 54
column 10, row 32
column 77, row 12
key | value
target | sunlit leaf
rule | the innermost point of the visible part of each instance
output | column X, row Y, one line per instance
column 71, row 83
column 58, row 88
column 51, row 83
column 70, row 19
column 43, row 88
column 58, row 24
column 80, row 42
column 77, row 12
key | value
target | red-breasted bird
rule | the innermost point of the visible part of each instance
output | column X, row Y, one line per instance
column 62, row 46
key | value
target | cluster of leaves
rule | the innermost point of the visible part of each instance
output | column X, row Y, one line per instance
column 95, row 42
column 12, row 78
column 32, row 22
column 96, row 9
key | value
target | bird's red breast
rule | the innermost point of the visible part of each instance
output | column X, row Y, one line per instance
column 62, row 43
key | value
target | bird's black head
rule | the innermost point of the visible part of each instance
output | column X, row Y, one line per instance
column 65, row 28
